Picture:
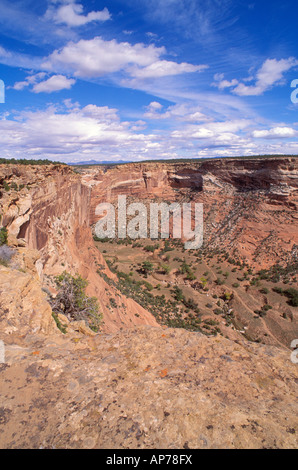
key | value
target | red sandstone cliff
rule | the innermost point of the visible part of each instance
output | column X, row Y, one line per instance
column 250, row 205
column 51, row 214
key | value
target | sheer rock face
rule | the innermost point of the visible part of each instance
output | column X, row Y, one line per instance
column 50, row 214
column 147, row 388
column 250, row 205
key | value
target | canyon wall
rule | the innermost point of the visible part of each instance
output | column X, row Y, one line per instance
column 250, row 210
column 49, row 216
column 250, row 205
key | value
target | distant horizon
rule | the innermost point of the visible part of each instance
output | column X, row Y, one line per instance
column 147, row 80
column 121, row 162
column 111, row 162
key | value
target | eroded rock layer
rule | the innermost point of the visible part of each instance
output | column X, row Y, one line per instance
column 50, row 214
column 250, row 205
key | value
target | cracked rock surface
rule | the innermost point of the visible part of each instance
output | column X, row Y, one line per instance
column 146, row 387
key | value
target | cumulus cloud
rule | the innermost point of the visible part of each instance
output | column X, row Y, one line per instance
column 216, row 131
column 70, row 132
column 270, row 74
column 96, row 57
column 29, row 80
column 153, row 110
column 221, row 84
column 72, row 15
column 54, row 83
column 275, row 132
column 180, row 112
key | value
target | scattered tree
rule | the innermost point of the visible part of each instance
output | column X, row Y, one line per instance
column 72, row 301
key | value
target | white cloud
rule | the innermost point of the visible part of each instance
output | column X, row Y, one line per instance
column 69, row 132
column 219, row 76
column 73, row 133
column 154, row 105
column 71, row 14
column 270, row 74
column 203, row 133
column 222, row 84
column 29, row 80
column 20, row 85
column 101, row 112
column 96, row 57
column 153, row 110
column 275, row 132
column 54, row 83
column 180, row 112
column 216, row 130
column 162, row 68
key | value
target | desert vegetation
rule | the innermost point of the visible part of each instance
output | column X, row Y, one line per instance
column 25, row 161
column 72, row 301
column 203, row 290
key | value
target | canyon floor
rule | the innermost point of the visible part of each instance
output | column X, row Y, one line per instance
column 201, row 290
column 193, row 352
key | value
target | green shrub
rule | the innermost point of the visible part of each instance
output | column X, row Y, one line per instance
column 278, row 290
column 14, row 186
column 151, row 248
column 113, row 302
column 217, row 311
column 292, row 295
column 3, row 236
column 227, row 296
column 60, row 326
column 102, row 240
column 165, row 268
column 147, row 267
column 72, row 301
column 148, row 286
column 191, row 276
column 178, row 294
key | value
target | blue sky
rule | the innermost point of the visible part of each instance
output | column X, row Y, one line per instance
column 136, row 80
